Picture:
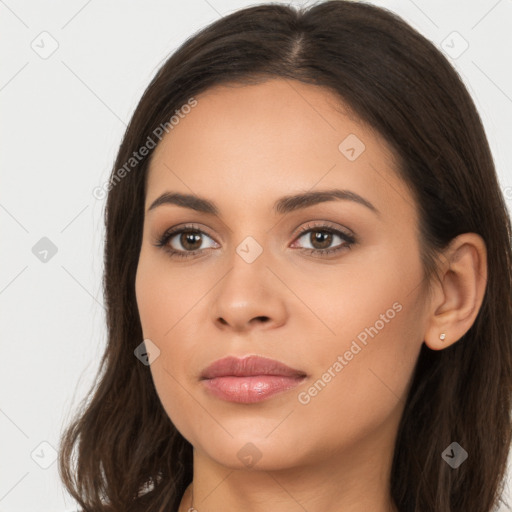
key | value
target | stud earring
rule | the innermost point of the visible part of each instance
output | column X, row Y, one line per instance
column 442, row 337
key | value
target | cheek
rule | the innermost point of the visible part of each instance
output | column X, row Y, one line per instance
column 164, row 295
column 372, row 300
column 361, row 370
column 360, row 387
column 175, row 395
column 147, row 293
column 165, row 304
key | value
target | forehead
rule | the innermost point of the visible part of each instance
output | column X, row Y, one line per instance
column 274, row 138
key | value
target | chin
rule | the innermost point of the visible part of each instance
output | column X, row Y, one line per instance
column 254, row 453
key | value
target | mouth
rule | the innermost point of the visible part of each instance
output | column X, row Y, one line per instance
column 249, row 380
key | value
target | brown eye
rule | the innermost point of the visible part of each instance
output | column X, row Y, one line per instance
column 321, row 239
column 184, row 242
column 190, row 240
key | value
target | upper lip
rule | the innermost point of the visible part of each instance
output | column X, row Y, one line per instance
column 249, row 366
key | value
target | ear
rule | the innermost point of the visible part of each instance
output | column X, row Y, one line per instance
column 459, row 293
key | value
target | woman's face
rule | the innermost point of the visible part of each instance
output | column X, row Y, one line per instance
column 340, row 301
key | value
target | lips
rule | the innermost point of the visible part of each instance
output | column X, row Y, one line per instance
column 249, row 367
column 251, row 379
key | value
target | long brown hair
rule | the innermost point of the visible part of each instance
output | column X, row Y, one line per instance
column 122, row 452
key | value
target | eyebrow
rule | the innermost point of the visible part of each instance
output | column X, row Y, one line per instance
column 283, row 205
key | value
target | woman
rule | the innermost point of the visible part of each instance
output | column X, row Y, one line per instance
column 307, row 274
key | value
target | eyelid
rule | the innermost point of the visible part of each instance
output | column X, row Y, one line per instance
column 325, row 224
column 187, row 226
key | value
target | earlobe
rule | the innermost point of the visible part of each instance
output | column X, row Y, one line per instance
column 463, row 280
column 440, row 343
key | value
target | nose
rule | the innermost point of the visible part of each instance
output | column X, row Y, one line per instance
column 249, row 296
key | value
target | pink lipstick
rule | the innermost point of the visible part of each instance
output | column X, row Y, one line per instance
column 249, row 380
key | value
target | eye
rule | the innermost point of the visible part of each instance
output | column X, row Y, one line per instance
column 187, row 244
column 186, row 241
column 322, row 236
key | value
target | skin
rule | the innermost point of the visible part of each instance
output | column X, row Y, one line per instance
column 243, row 147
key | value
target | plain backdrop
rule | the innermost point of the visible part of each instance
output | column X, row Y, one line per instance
column 72, row 73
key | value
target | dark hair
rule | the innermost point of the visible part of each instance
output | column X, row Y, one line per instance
column 129, row 455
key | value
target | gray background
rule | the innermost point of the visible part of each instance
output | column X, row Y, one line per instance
column 63, row 116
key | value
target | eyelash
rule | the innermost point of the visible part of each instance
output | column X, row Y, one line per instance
column 166, row 237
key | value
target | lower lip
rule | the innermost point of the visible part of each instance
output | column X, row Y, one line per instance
column 248, row 390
